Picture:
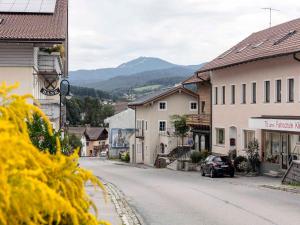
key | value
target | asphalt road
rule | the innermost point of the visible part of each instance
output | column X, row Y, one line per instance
column 165, row 197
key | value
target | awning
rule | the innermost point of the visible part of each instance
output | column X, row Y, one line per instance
column 280, row 123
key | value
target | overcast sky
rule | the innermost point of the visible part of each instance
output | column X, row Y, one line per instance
column 106, row 33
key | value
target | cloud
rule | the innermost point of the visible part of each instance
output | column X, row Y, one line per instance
column 107, row 33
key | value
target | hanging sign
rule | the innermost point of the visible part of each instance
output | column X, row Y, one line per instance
column 50, row 87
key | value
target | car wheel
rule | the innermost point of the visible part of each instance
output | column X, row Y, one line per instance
column 202, row 172
column 212, row 173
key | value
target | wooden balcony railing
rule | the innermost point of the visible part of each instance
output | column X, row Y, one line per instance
column 202, row 119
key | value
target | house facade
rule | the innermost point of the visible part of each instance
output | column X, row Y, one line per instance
column 96, row 141
column 79, row 133
column 121, row 132
column 154, row 130
column 34, row 51
column 255, row 91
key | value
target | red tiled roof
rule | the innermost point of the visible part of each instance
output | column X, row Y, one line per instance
column 196, row 78
column 35, row 26
column 267, row 49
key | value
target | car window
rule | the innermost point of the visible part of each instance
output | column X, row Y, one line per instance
column 218, row 159
column 208, row 158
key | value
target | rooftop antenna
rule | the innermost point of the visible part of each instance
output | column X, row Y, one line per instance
column 270, row 11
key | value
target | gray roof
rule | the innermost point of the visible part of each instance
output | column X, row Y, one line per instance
column 161, row 94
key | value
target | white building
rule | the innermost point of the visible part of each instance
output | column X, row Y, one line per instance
column 34, row 50
column 121, row 132
column 154, row 130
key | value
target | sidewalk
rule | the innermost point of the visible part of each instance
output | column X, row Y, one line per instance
column 106, row 209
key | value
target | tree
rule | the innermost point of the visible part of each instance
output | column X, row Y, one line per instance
column 181, row 128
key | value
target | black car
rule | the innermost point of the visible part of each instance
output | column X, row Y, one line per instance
column 217, row 166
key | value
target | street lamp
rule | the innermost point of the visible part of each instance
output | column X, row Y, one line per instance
column 68, row 96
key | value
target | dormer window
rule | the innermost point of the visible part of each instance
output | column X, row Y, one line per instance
column 162, row 106
column 288, row 35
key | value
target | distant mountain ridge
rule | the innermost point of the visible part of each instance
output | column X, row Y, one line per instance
column 137, row 72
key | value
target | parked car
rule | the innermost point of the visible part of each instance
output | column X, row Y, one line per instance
column 103, row 153
column 217, row 166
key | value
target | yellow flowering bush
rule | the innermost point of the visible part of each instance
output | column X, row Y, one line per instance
column 36, row 187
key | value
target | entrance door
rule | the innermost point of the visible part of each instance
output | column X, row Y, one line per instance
column 284, row 151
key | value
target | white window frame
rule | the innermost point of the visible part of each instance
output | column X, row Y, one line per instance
column 253, row 82
column 275, row 90
column 191, row 102
column 243, row 136
column 223, row 95
column 216, row 136
column 216, row 95
column 231, row 102
column 288, row 90
column 264, row 92
column 242, row 94
column 159, row 109
column 165, row 125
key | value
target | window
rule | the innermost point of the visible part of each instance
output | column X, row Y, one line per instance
column 253, row 93
column 249, row 135
column 216, row 95
column 162, row 106
column 232, row 94
column 146, row 125
column 290, row 90
column 278, row 90
column 223, row 95
column 193, row 106
column 288, row 35
column 243, row 93
column 220, row 135
column 267, row 91
column 202, row 106
column 162, row 125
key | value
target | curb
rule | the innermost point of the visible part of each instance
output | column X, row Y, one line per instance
column 282, row 188
column 128, row 214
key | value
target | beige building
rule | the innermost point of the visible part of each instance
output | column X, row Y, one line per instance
column 256, row 95
column 96, row 141
column 154, row 131
column 34, row 50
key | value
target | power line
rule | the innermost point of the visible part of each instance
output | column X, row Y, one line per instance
column 270, row 11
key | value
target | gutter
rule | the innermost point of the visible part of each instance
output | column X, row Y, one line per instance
column 246, row 61
column 295, row 57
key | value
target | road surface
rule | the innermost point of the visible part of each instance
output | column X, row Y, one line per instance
column 165, row 197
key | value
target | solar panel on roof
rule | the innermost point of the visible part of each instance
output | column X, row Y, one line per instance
column 27, row 6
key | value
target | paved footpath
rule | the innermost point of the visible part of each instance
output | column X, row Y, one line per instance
column 164, row 197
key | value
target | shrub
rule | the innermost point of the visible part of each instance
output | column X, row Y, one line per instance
column 237, row 161
column 37, row 187
column 125, row 157
column 253, row 155
column 204, row 154
column 196, row 157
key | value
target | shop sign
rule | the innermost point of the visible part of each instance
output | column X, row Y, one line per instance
column 274, row 124
column 50, row 87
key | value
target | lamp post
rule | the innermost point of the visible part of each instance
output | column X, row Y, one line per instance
column 68, row 97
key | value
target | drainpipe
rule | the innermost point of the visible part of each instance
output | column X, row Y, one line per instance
column 134, row 152
column 211, row 109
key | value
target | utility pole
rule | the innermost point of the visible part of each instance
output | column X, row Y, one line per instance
column 270, row 11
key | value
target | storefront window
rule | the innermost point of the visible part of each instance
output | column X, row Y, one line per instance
column 272, row 147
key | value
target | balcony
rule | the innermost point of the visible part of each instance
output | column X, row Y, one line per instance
column 198, row 120
column 49, row 64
